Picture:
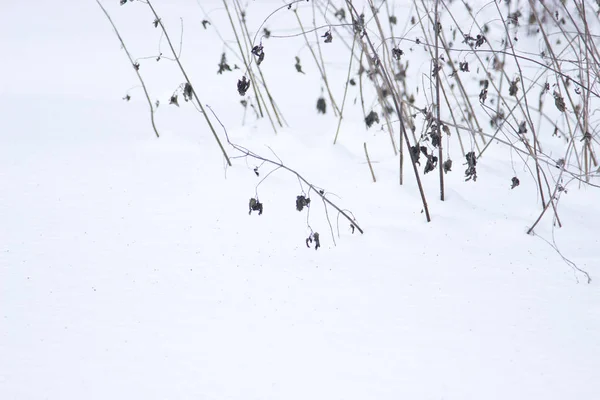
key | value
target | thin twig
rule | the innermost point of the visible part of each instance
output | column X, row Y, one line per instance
column 134, row 65
column 188, row 82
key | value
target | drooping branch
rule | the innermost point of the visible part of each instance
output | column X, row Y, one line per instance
column 279, row 165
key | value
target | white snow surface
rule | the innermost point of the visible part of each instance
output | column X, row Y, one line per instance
column 130, row 268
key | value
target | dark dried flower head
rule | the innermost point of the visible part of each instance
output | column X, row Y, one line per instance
column 446, row 130
column 223, row 66
column 321, row 105
column 431, row 163
column 328, row 37
column 415, row 153
column 514, row 87
column 255, row 205
column 359, row 25
column 483, row 94
column 587, row 137
column 340, row 14
column 258, row 51
column 480, row 41
column 514, row 17
column 559, row 102
column 298, row 66
column 514, row 182
column 313, row 237
column 301, row 202
column 523, row 128
column 474, row 41
column 471, row 171
column 173, row 100
column 397, row 53
column 447, row 166
column 243, row 85
column 371, row 119
column 436, row 138
column 187, row 92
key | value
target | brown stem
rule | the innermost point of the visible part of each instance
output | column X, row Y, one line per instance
column 176, row 56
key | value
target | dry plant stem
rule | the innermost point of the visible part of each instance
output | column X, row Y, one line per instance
column 378, row 89
column 533, row 149
column 334, row 27
column 462, row 148
column 345, row 91
column 133, row 65
column 245, row 30
column 369, row 162
column 241, row 58
column 519, row 103
column 539, row 218
column 246, row 63
column 591, row 51
column 253, row 75
column 360, row 84
column 403, row 90
column 328, row 221
column 386, row 51
column 318, row 42
column 510, row 113
column 401, row 161
column 387, row 80
column 566, row 260
column 321, row 71
column 554, row 194
column 279, row 164
column 520, row 57
column 216, row 30
column 385, row 60
column 549, row 161
column 381, row 98
column 188, row 82
column 586, row 108
column 462, row 90
column 435, row 55
column 461, row 87
column 558, row 71
column 436, row 30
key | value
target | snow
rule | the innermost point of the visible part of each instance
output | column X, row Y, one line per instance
column 130, row 268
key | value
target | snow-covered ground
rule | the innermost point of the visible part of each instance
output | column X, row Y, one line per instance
column 130, row 268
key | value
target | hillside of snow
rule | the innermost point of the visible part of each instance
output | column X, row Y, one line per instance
column 130, row 267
